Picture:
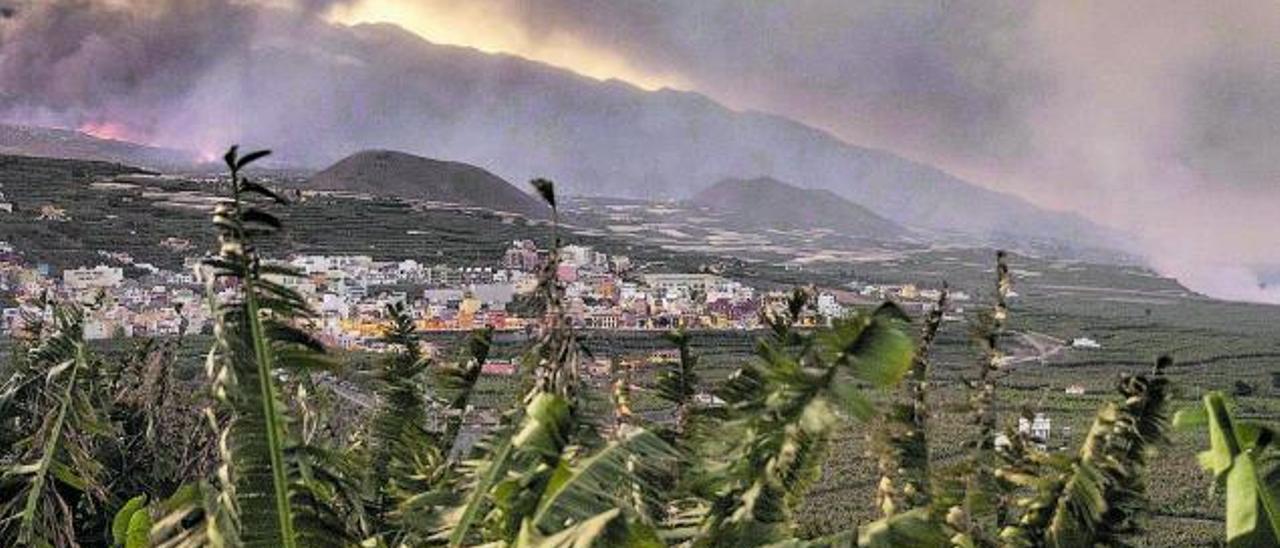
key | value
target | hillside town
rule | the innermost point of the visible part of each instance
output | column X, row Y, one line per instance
column 350, row 294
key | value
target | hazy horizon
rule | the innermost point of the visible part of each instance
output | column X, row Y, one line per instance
column 1150, row 118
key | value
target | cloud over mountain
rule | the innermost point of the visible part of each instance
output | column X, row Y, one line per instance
column 1152, row 117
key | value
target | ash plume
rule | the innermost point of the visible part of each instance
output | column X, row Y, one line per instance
column 1155, row 118
column 74, row 63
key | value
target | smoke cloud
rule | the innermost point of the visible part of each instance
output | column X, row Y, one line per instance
column 79, row 62
column 1156, row 118
column 1153, row 117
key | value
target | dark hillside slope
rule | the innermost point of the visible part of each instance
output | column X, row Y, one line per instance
column 767, row 202
column 390, row 173
column 63, row 143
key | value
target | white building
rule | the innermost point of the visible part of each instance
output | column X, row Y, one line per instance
column 628, row 291
column 1039, row 427
column 312, row 264
column 409, row 267
column 100, row 276
column 578, row 255
column 1085, row 342
column 829, row 307
column 494, row 295
column 694, row 282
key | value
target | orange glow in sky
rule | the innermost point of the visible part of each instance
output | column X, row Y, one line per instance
column 483, row 28
column 108, row 130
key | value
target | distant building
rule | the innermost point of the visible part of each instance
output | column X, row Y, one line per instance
column 504, row 368
column 522, row 255
column 695, row 282
column 577, row 255
column 828, row 307
column 1039, row 427
column 603, row 320
column 1085, row 342
column 664, row 355
column 706, row 399
column 98, row 277
column 1075, row 390
column 567, row 273
column 494, row 295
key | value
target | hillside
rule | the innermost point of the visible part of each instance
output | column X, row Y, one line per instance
column 1133, row 314
column 390, row 173
column 68, row 144
column 522, row 119
column 767, row 202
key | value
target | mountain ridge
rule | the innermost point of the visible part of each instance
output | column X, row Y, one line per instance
column 24, row 140
column 522, row 119
column 766, row 201
column 385, row 88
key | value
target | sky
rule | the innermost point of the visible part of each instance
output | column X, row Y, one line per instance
column 1158, row 118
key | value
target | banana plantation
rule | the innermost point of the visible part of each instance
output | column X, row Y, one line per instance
column 114, row 449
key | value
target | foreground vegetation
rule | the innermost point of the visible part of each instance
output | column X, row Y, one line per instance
column 110, row 451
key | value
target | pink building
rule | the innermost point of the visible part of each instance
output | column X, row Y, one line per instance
column 567, row 273
column 504, row 368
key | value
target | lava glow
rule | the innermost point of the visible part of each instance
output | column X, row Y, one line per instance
column 206, row 156
column 108, row 130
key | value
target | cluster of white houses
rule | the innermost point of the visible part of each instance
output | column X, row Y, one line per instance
column 350, row 294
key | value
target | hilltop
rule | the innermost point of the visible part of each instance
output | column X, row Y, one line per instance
column 402, row 175
column 765, row 201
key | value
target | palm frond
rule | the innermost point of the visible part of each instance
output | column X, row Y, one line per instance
column 609, row 528
column 680, row 385
column 1097, row 496
column 398, row 427
column 407, row 464
column 785, row 408
column 611, row 477
column 55, row 469
column 915, row 527
column 541, row 437
column 191, row 518
column 1242, row 457
column 900, row 441
column 265, row 493
column 981, row 496
column 457, row 382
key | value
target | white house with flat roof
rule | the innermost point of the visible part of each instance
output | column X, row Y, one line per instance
column 1085, row 342
column 100, row 276
column 696, row 282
